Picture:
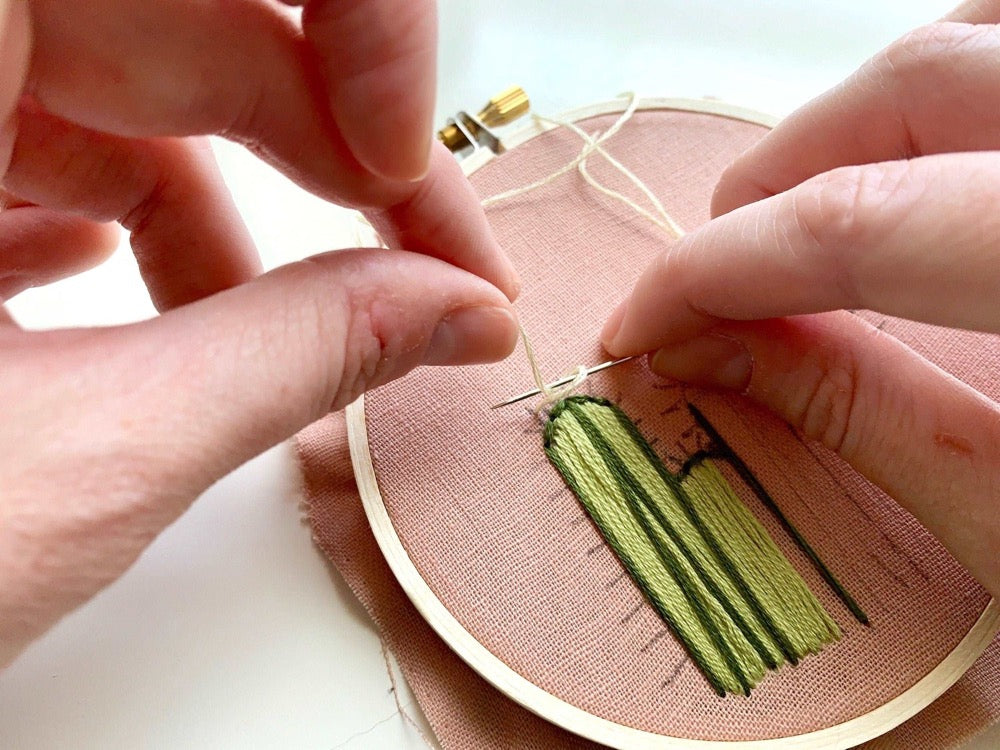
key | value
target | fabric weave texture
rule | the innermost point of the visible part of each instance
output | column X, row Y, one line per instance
column 500, row 541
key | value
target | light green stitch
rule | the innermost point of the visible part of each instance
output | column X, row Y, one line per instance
column 703, row 561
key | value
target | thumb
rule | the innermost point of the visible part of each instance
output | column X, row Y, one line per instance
column 247, row 368
column 134, row 422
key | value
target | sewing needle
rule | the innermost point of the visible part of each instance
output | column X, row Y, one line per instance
column 562, row 381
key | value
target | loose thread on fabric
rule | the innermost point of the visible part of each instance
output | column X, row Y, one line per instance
column 394, row 686
column 591, row 144
column 549, row 396
column 702, row 560
column 595, row 144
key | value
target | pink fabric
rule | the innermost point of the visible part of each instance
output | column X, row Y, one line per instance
column 465, row 711
column 505, row 547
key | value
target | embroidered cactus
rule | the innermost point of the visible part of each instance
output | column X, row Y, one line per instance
column 703, row 561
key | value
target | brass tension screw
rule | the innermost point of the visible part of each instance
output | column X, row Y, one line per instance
column 502, row 109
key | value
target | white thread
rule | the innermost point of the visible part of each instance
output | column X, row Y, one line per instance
column 549, row 395
column 589, row 147
column 364, row 227
column 591, row 144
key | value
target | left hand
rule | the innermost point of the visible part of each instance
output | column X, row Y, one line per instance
column 108, row 434
column 101, row 102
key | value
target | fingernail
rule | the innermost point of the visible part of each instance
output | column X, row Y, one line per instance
column 472, row 335
column 613, row 325
column 712, row 360
column 422, row 172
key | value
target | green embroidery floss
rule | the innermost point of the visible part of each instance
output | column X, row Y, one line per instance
column 700, row 557
column 765, row 497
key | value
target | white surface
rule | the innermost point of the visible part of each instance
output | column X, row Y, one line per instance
column 231, row 632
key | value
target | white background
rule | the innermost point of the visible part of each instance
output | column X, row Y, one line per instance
column 231, row 632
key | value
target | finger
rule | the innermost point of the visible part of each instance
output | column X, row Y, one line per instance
column 443, row 219
column 322, row 332
column 378, row 59
column 935, row 90
column 914, row 239
column 39, row 246
column 147, row 70
column 148, row 416
column 187, row 235
column 976, row 11
column 7, row 321
column 9, row 200
column 198, row 72
column 927, row 439
column 15, row 48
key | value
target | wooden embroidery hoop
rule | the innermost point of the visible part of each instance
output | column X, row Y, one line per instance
column 572, row 718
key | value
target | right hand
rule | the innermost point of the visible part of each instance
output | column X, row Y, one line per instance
column 881, row 194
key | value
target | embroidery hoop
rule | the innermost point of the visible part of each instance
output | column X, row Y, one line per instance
column 554, row 709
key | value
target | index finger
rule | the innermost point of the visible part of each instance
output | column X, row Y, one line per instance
column 174, row 69
column 379, row 59
column 913, row 239
column 936, row 90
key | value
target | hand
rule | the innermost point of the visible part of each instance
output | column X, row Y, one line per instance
column 109, row 434
column 881, row 194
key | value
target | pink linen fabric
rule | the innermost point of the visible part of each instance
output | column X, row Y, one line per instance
column 465, row 711
column 505, row 547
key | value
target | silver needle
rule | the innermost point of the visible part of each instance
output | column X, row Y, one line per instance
column 562, row 381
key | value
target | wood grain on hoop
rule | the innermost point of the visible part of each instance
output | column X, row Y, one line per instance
column 560, row 712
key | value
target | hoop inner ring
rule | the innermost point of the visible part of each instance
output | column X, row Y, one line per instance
column 501, row 547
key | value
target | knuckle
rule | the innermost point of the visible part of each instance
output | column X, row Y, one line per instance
column 143, row 209
column 366, row 349
column 918, row 47
column 934, row 45
column 246, row 124
column 843, row 213
column 674, row 266
column 366, row 334
column 385, row 338
column 826, row 411
column 909, row 75
column 313, row 331
column 415, row 214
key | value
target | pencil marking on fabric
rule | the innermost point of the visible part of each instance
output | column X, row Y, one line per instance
column 632, row 612
column 893, row 545
column 617, row 579
column 657, row 636
column 675, row 672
